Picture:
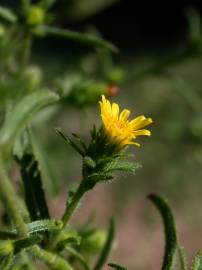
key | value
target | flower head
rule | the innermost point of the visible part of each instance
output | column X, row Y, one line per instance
column 118, row 129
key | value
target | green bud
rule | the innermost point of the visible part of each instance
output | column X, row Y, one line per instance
column 116, row 75
column 35, row 16
column 33, row 75
column 6, row 247
column 86, row 93
column 94, row 241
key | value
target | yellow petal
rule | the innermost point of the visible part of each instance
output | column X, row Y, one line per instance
column 124, row 115
column 115, row 110
column 141, row 122
column 143, row 132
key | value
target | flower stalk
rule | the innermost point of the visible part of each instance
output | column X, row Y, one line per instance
column 74, row 203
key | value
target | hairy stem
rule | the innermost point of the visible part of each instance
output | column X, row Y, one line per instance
column 73, row 204
column 10, row 201
column 54, row 261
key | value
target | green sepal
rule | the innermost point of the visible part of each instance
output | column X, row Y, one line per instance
column 170, row 230
column 197, row 261
column 89, row 162
column 75, row 146
column 107, row 247
column 7, row 15
column 97, row 177
column 117, row 266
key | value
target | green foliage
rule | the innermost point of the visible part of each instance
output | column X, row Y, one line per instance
column 116, row 266
column 7, row 15
column 34, row 193
column 107, row 247
column 30, row 232
column 197, row 261
column 170, row 231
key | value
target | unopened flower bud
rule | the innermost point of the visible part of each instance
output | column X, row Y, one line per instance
column 35, row 16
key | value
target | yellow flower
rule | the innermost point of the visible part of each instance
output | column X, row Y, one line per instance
column 118, row 128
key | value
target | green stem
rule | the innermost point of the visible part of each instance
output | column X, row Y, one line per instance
column 54, row 261
column 26, row 50
column 68, row 213
column 9, row 199
column 74, row 203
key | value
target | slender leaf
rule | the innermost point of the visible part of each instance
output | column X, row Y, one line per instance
column 46, row 4
column 21, row 115
column 47, row 173
column 26, row 242
column 79, row 37
column 78, row 256
column 6, row 262
column 7, row 15
column 116, row 266
column 34, row 193
column 170, row 231
column 107, row 247
column 44, row 225
column 183, row 258
column 197, row 261
column 5, row 235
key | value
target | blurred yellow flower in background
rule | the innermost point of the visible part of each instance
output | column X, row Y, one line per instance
column 118, row 128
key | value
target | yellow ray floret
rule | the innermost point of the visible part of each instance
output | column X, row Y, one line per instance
column 118, row 128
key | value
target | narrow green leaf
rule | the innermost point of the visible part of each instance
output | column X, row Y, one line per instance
column 47, row 173
column 197, row 261
column 26, row 242
column 44, row 225
column 116, row 266
column 170, row 231
column 46, row 4
column 79, row 10
column 21, row 115
column 79, row 37
column 78, row 256
column 182, row 258
column 6, row 235
column 71, row 142
column 6, row 262
column 7, row 15
column 107, row 247
column 34, row 193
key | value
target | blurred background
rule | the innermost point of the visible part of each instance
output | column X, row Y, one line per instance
column 158, row 71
